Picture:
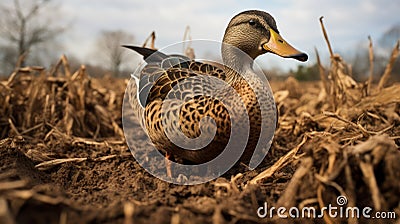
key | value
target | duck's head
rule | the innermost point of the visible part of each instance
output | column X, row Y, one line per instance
column 255, row 33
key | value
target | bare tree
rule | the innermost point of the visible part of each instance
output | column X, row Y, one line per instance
column 29, row 25
column 110, row 50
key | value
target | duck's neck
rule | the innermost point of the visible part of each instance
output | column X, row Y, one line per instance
column 237, row 63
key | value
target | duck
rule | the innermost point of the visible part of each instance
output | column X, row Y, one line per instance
column 204, row 90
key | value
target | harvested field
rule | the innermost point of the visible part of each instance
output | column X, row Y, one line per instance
column 64, row 158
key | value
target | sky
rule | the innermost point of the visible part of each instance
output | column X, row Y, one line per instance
column 348, row 22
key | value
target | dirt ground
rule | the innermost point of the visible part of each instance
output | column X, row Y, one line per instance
column 63, row 157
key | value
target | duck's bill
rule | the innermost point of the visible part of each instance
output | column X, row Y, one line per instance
column 279, row 46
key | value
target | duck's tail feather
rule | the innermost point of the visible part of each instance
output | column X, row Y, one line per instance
column 149, row 55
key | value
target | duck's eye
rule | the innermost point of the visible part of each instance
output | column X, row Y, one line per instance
column 252, row 22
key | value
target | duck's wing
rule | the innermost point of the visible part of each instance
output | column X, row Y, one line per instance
column 163, row 72
column 191, row 89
